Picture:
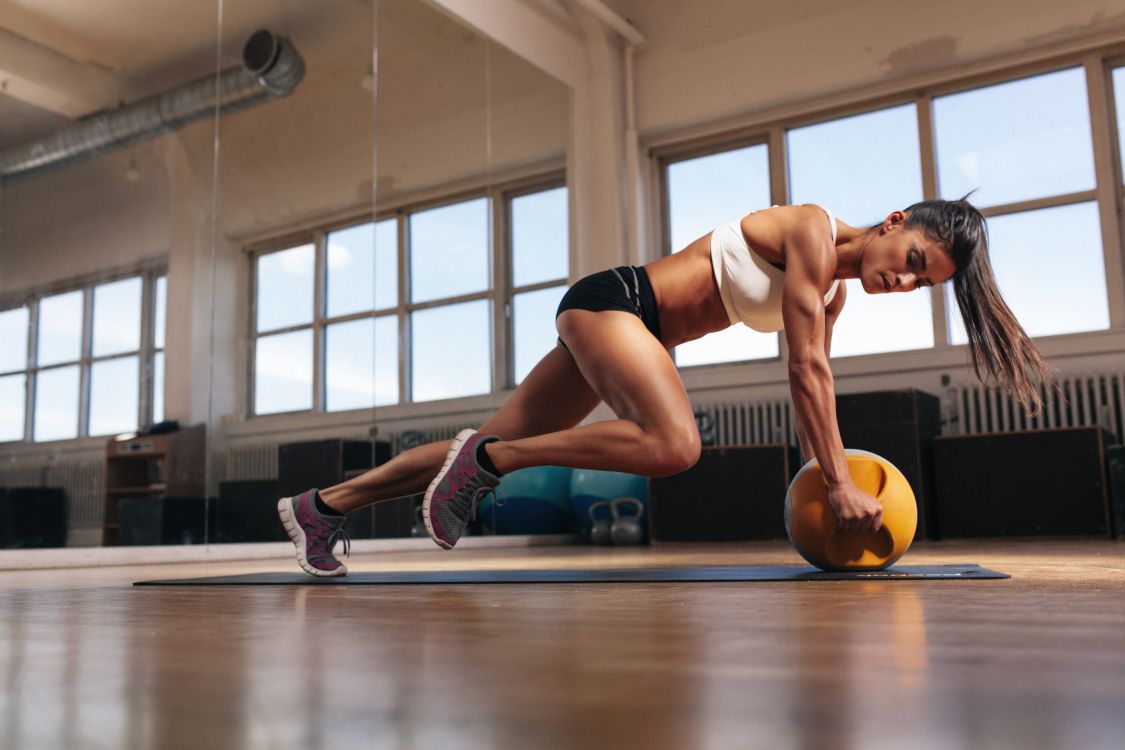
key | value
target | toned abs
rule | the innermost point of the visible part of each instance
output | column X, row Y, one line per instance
column 686, row 294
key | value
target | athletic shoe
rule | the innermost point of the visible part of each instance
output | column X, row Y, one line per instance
column 451, row 500
column 314, row 534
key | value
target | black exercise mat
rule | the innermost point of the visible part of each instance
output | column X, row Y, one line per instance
column 598, row 575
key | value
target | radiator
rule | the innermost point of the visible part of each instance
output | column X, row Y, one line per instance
column 407, row 439
column 1080, row 400
column 252, row 462
column 747, row 423
column 83, row 481
column 260, row 461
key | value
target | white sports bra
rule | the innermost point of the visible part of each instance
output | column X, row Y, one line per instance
column 749, row 285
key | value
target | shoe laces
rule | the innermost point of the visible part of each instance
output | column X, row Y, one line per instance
column 341, row 532
column 480, row 494
column 333, row 535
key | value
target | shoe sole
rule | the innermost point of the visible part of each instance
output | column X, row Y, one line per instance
column 297, row 536
column 451, row 454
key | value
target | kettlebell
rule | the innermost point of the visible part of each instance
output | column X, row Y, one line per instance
column 626, row 529
column 600, row 528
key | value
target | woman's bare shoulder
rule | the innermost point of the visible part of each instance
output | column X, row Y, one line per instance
column 779, row 223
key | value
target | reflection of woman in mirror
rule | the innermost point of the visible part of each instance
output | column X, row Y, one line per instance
column 776, row 269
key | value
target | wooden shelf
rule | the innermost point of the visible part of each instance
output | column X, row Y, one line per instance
column 158, row 466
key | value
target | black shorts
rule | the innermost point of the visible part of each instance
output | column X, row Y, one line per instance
column 625, row 288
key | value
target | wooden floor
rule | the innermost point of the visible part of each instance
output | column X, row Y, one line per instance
column 1035, row 661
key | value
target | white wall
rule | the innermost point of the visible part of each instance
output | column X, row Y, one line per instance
column 82, row 221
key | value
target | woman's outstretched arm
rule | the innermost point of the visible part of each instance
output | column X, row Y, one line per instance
column 831, row 313
column 809, row 266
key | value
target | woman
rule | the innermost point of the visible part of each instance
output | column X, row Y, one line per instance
column 774, row 269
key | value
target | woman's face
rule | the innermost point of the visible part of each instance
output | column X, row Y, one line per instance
column 902, row 260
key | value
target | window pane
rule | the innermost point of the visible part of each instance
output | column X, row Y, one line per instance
column 13, row 390
column 534, row 324
column 114, row 390
column 874, row 323
column 363, row 268
column 117, row 317
column 354, row 379
column 161, row 311
column 1015, row 141
column 862, row 167
column 1046, row 296
column 283, row 373
column 60, row 328
column 449, row 251
column 13, row 332
column 733, row 344
column 702, row 194
column 56, row 404
column 711, row 190
column 285, row 288
column 1119, row 95
column 158, row 388
column 451, row 351
column 540, row 244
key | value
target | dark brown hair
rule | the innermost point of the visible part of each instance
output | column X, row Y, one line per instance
column 998, row 344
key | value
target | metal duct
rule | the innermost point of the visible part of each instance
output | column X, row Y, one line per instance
column 271, row 68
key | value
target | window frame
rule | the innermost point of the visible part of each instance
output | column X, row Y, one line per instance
column 148, row 272
column 1112, row 208
column 770, row 127
column 499, row 293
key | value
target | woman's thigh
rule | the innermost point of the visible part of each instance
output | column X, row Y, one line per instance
column 628, row 368
column 554, row 396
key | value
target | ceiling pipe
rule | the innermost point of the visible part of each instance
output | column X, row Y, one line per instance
column 271, row 68
column 610, row 18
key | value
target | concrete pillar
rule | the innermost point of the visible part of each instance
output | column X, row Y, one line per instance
column 596, row 158
column 202, row 321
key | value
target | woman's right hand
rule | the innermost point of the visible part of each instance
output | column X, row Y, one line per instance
column 858, row 510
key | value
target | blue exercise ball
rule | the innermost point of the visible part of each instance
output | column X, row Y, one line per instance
column 589, row 486
column 535, row 500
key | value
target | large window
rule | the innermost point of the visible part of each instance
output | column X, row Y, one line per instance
column 75, row 361
column 332, row 313
column 1025, row 147
column 704, row 192
column 1024, row 150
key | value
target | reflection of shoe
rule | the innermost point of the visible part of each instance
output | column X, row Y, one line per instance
column 451, row 500
column 314, row 534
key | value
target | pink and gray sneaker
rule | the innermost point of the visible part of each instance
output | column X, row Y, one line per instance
column 314, row 534
column 451, row 501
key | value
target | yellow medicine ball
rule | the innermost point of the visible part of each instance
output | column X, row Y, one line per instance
column 814, row 528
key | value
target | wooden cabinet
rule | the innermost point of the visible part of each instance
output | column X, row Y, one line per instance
column 172, row 464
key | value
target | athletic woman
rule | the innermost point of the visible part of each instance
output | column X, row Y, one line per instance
column 775, row 269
